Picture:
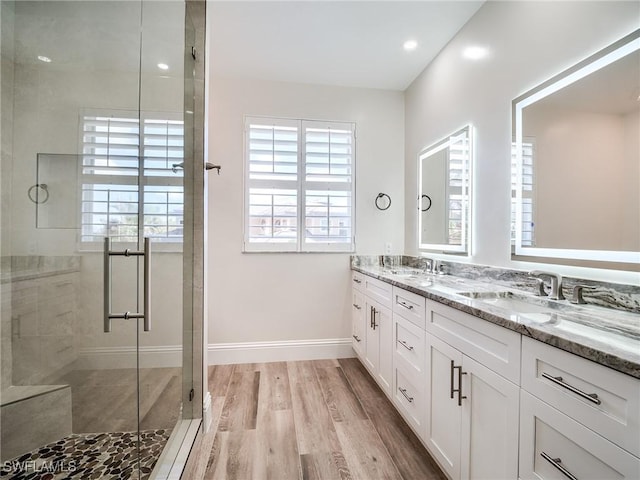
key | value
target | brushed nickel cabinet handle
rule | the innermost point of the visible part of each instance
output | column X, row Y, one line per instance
column 357, row 281
column 451, row 371
column 556, row 462
column 459, row 389
column 460, row 396
column 592, row 397
column 357, row 338
column 405, row 345
column 357, row 306
column 403, row 391
column 408, row 307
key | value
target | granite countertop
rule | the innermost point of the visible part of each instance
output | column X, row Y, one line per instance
column 606, row 336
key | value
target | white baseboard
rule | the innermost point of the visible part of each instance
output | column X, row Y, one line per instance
column 125, row 357
column 290, row 350
column 218, row 353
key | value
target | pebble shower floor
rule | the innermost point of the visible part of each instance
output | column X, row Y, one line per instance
column 109, row 456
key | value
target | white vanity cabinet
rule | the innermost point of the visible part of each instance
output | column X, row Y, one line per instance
column 409, row 379
column 489, row 403
column 372, row 327
column 472, row 400
column 577, row 417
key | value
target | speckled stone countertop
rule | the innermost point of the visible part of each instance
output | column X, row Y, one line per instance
column 604, row 335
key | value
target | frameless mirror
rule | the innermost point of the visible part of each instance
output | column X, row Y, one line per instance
column 444, row 202
column 576, row 163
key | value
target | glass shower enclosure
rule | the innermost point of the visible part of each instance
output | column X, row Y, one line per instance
column 101, row 236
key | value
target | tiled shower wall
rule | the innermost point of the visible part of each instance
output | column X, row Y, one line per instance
column 39, row 315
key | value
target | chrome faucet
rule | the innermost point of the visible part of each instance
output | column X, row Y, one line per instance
column 429, row 263
column 556, row 283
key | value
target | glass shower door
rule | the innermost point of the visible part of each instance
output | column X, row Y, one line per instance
column 93, row 135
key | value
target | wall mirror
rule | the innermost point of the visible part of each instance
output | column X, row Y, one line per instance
column 444, row 202
column 576, row 163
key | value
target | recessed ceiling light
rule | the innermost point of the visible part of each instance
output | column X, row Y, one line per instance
column 44, row 59
column 163, row 66
column 410, row 45
column 475, row 52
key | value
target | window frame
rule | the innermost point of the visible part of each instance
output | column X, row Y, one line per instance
column 301, row 186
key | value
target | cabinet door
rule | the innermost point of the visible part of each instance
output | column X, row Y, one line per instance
column 358, row 324
column 379, row 343
column 490, row 417
column 384, row 325
column 372, row 339
column 444, row 415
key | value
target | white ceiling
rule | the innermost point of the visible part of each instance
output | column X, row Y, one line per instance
column 347, row 43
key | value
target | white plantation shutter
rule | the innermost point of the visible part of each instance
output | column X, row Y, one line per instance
column 299, row 185
column 163, row 147
column 458, row 189
column 119, row 195
column 271, row 204
column 527, row 178
column 328, row 186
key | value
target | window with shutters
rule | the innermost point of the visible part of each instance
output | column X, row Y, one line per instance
column 527, row 192
column 125, row 198
column 299, row 185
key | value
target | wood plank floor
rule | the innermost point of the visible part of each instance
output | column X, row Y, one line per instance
column 315, row 420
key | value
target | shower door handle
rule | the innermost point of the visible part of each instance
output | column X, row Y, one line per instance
column 146, row 254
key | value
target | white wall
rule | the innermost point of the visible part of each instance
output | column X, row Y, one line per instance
column 528, row 42
column 257, row 297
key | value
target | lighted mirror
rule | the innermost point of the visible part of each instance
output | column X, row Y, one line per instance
column 576, row 163
column 444, row 202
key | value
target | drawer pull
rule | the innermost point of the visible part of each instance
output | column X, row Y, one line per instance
column 357, row 281
column 408, row 307
column 405, row 345
column 357, row 306
column 357, row 338
column 592, row 397
column 556, row 462
column 403, row 391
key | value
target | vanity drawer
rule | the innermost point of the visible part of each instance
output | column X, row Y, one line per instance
column 551, row 440
column 377, row 290
column 408, row 396
column 357, row 280
column 568, row 383
column 409, row 305
column 409, row 344
column 495, row 347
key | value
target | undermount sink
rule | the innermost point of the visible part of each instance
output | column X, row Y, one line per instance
column 533, row 308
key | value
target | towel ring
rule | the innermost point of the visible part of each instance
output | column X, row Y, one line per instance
column 37, row 200
column 428, row 206
column 383, row 195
